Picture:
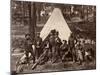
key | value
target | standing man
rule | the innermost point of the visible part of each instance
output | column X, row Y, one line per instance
column 38, row 42
column 72, row 47
column 52, row 46
column 57, row 44
column 28, row 48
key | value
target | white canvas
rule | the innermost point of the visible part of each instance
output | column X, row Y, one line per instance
column 57, row 22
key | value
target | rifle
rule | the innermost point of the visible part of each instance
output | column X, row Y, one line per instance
column 39, row 59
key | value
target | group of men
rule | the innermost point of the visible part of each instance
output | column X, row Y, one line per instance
column 55, row 50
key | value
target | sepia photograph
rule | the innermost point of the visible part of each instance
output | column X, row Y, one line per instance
column 52, row 37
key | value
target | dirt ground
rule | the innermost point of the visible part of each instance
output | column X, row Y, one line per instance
column 48, row 66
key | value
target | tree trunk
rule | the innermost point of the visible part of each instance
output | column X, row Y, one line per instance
column 23, row 13
column 32, row 19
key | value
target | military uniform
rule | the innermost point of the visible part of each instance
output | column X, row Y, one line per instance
column 28, row 49
column 38, row 41
column 72, row 48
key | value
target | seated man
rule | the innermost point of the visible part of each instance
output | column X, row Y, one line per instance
column 46, row 52
column 64, row 49
column 88, row 55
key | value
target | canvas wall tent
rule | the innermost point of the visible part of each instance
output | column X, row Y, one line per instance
column 57, row 22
